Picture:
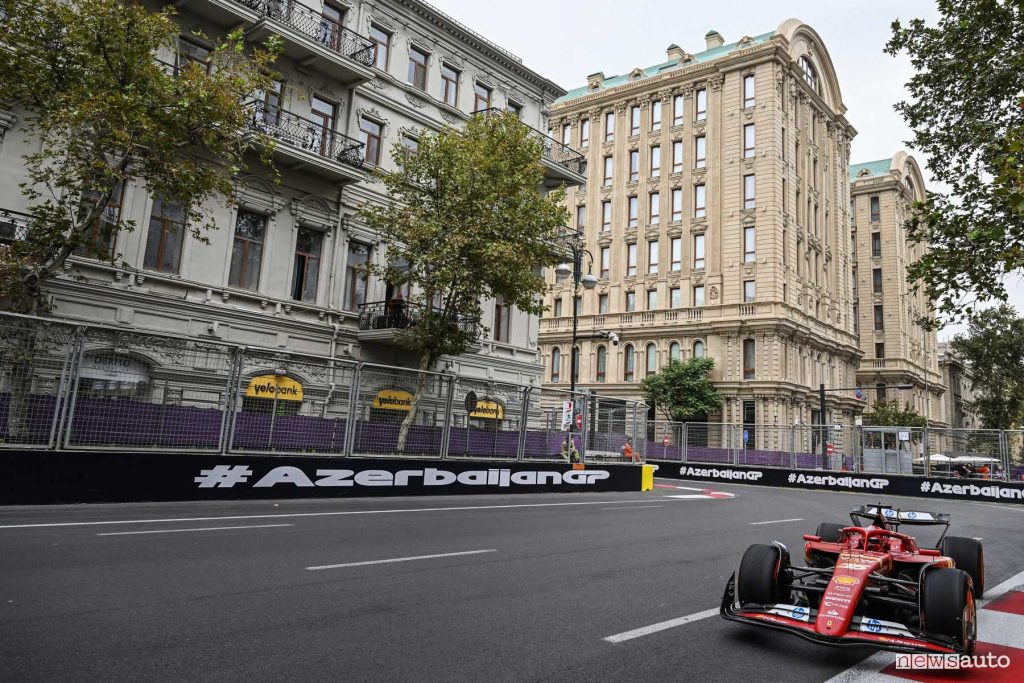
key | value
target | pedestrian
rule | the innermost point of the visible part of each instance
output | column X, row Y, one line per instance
column 627, row 449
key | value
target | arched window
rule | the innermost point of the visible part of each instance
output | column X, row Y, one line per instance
column 629, row 363
column 602, row 364
column 698, row 349
column 749, row 353
column 556, row 365
column 576, row 364
column 810, row 73
column 651, row 360
column 674, row 351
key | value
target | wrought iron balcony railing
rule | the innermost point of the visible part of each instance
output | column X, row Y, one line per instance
column 317, row 27
column 553, row 150
column 398, row 314
column 305, row 133
column 13, row 225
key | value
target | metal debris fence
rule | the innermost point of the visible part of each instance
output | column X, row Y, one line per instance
column 77, row 386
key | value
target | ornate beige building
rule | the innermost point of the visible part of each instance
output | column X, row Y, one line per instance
column 716, row 214
column 897, row 350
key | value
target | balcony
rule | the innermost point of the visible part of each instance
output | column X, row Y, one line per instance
column 224, row 12
column 382, row 320
column 13, row 225
column 313, row 41
column 306, row 144
column 562, row 164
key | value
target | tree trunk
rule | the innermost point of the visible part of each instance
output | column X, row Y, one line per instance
column 421, row 384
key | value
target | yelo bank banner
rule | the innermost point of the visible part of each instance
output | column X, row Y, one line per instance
column 393, row 399
column 486, row 409
column 274, row 386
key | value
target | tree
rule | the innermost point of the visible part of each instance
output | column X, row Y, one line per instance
column 993, row 350
column 682, row 390
column 965, row 109
column 465, row 222
column 84, row 77
column 890, row 414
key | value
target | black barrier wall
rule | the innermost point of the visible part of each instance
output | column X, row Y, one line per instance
column 893, row 484
column 30, row 478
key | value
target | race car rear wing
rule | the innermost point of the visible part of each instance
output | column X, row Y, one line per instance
column 893, row 518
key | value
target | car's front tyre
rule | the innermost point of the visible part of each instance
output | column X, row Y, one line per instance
column 764, row 571
column 947, row 607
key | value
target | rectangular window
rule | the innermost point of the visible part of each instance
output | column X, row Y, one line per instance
column 380, row 39
column 410, row 146
column 677, row 110
column 879, row 350
column 632, row 212
column 449, row 86
column 677, row 156
column 318, row 139
column 190, row 52
column 502, row 320
column 876, row 244
column 481, row 97
column 749, row 190
column 356, row 272
column 606, row 261
column 417, row 68
column 99, row 237
column 655, row 208
column 556, row 365
column 701, row 97
column 656, row 162
column 652, row 257
column 602, row 303
column 785, row 196
column 247, row 250
column 652, row 299
column 698, row 252
column 748, row 90
column 748, row 140
column 675, row 297
column 609, row 126
column 369, row 135
column 166, row 236
column 577, row 304
column 879, row 318
column 308, row 245
column 876, row 280
column 749, row 244
column 700, row 208
column 608, row 166
column 606, row 216
column 331, row 21
column 698, row 296
column 634, row 165
column 749, row 362
column 631, row 260
column 558, row 307
column 700, row 154
column 566, row 134
column 749, row 291
column 677, row 205
column 515, row 109
column 876, row 210
column 634, row 120
column 585, row 133
column 630, row 302
column 656, row 116
column 785, row 153
column 581, row 217
column 677, row 254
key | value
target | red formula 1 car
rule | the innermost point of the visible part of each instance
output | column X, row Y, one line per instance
column 866, row 584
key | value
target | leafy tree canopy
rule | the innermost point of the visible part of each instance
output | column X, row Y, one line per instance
column 965, row 109
column 682, row 390
column 890, row 414
column 85, row 80
column 993, row 349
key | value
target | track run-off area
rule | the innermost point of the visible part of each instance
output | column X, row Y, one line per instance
column 552, row 587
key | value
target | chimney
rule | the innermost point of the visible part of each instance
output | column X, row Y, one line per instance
column 595, row 81
column 674, row 53
column 714, row 39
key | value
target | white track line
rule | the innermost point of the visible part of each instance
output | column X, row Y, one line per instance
column 178, row 531
column 662, row 626
column 400, row 559
column 777, row 521
column 634, row 507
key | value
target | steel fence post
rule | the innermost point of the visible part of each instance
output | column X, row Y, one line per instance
column 227, row 420
column 524, row 419
column 352, row 420
column 73, row 391
column 584, row 425
column 68, row 380
column 446, row 428
column 684, row 438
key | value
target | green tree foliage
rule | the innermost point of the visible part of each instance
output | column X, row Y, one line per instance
column 84, row 79
column 965, row 111
column 682, row 390
column 993, row 349
column 467, row 223
column 890, row 414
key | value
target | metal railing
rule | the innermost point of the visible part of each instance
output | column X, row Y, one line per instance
column 318, row 28
column 553, row 150
column 13, row 225
column 304, row 133
column 78, row 386
column 398, row 314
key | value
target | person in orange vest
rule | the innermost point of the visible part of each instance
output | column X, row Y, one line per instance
column 627, row 449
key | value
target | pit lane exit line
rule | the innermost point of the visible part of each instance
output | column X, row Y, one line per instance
column 661, row 626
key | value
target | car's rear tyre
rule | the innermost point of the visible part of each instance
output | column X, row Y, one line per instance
column 947, row 606
column 763, row 572
column 827, row 531
column 969, row 556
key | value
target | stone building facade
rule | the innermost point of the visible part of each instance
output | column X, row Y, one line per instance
column 716, row 212
column 897, row 349
column 956, row 378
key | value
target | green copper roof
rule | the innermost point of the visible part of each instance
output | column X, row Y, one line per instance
column 706, row 56
column 875, row 168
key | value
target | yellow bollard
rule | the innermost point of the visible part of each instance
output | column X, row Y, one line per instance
column 647, row 477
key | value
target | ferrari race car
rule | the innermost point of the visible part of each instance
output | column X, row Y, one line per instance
column 866, row 584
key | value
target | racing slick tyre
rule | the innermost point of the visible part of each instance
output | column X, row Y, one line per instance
column 968, row 555
column 829, row 532
column 947, row 607
column 763, row 572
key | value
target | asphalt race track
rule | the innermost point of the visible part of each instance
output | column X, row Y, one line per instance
column 528, row 587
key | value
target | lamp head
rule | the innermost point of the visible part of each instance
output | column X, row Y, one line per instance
column 589, row 281
column 563, row 270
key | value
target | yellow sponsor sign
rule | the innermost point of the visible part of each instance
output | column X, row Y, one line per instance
column 393, row 399
column 487, row 409
column 271, row 386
